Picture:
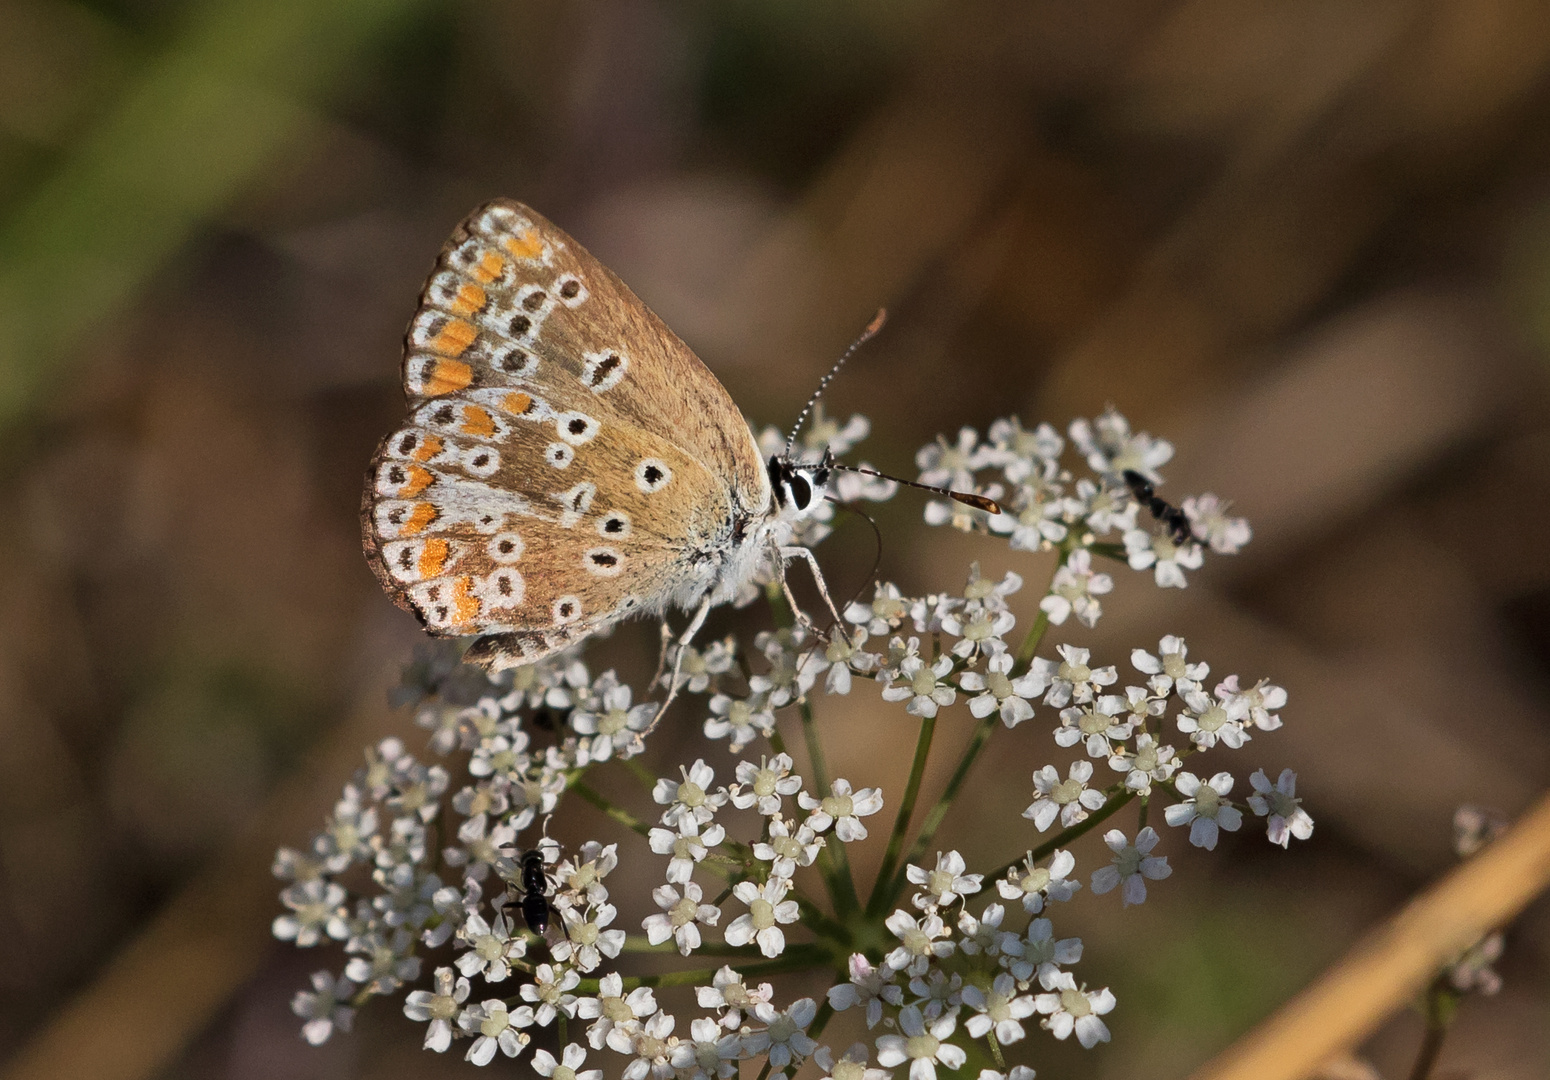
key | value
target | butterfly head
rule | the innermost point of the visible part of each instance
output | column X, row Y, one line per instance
column 799, row 486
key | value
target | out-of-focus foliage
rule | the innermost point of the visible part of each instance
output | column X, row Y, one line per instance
column 1307, row 241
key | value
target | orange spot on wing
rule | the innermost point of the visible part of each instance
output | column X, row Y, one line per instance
column 517, row 403
column 421, row 516
column 477, row 422
column 419, row 480
column 433, row 556
column 491, row 266
column 455, row 338
column 465, row 606
column 446, row 377
column 524, row 245
column 429, row 447
column 469, row 299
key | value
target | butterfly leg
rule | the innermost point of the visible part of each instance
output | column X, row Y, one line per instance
column 799, row 552
column 667, row 643
column 683, row 642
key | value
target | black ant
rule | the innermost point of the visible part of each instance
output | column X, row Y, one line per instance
column 1173, row 519
column 535, row 892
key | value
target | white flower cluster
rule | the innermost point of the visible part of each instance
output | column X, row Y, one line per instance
column 1045, row 506
column 753, row 870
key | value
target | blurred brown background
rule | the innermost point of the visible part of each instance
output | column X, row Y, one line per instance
column 1308, row 241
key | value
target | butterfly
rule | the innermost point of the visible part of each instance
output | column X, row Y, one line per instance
column 567, row 462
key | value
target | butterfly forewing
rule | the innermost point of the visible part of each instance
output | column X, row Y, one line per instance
column 561, row 449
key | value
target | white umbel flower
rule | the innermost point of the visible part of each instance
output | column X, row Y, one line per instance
column 1280, row 804
column 765, row 784
column 567, row 1068
column 1133, row 865
column 323, row 1007
column 869, row 986
column 1075, row 591
column 768, row 911
column 844, row 807
column 996, row 691
column 1070, row 799
column 495, row 1028
column 999, row 1009
column 1070, row 679
column 946, row 884
column 923, row 1047
column 1069, row 1009
column 690, row 797
column 709, row 1053
column 1205, row 808
column 680, row 917
column 922, row 685
column 784, row 1038
column 1032, row 884
column 440, row 1006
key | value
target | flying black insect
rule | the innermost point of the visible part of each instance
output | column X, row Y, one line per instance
column 535, row 892
column 1173, row 519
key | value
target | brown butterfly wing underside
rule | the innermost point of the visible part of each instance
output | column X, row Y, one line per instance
column 565, row 452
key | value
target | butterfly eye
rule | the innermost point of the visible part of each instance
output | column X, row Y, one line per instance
column 801, row 491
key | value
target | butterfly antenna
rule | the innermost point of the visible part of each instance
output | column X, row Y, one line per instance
column 968, row 498
column 866, row 335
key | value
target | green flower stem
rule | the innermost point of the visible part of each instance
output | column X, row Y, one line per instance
column 795, row 958
column 637, row 943
column 619, row 814
column 815, row 920
column 1441, row 1004
column 815, row 753
column 641, row 773
column 834, row 861
column 564, row 1035
column 1116, row 803
column 1116, row 552
column 824, row 1015
column 1024, row 658
column 971, row 753
column 880, row 897
column 995, row 1049
column 834, row 866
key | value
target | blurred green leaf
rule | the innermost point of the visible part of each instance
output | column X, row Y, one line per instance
column 234, row 90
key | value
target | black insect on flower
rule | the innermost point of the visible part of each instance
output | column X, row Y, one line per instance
column 535, row 892
column 1173, row 519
